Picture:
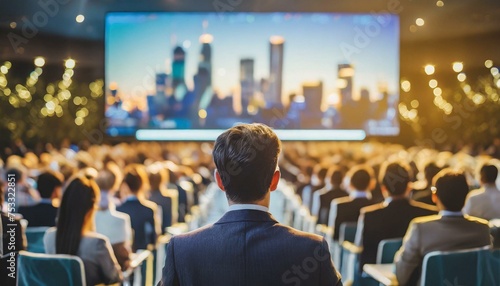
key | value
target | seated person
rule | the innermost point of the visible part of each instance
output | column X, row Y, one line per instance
column 317, row 183
column 391, row 218
column 485, row 202
column 75, row 233
column 25, row 194
column 164, row 197
column 347, row 209
column 44, row 213
column 450, row 230
column 425, row 195
column 143, row 213
column 323, row 197
column 113, row 224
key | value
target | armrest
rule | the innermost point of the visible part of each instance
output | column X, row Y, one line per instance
column 351, row 247
column 136, row 260
column 163, row 239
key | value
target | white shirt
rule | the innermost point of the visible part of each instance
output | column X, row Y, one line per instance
column 483, row 202
column 238, row 207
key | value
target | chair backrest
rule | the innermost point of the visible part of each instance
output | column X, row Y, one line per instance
column 387, row 248
column 49, row 269
column 461, row 267
column 35, row 235
column 347, row 231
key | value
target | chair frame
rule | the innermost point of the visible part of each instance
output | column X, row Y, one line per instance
column 437, row 253
column 56, row 256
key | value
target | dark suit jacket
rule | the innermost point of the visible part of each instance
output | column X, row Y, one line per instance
column 424, row 196
column 325, row 200
column 142, row 221
column 385, row 221
column 42, row 214
column 346, row 210
column 248, row 247
column 166, row 205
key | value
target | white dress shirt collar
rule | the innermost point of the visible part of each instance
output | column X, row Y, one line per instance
column 450, row 213
column 238, row 207
column 355, row 194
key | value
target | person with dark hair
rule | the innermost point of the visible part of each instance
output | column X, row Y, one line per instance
column 161, row 195
column 323, row 197
column 317, row 183
column 485, row 202
column 425, row 195
column 75, row 233
column 44, row 213
column 25, row 194
column 113, row 224
column 247, row 245
column 450, row 230
column 391, row 218
column 347, row 209
column 143, row 213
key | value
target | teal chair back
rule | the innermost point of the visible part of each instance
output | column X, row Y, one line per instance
column 34, row 235
column 49, row 269
column 462, row 267
column 387, row 248
column 347, row 231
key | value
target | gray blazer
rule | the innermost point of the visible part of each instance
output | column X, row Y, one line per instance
column 97, row 255
column 438, row 233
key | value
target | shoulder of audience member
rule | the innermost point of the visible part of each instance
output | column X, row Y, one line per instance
column 423, row 205
column 371, row 208
column 476, row 219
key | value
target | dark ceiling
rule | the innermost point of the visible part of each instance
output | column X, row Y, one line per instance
column 456, row 18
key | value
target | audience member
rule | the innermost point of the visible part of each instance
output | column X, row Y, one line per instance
column 323, row 198
column 143, row 213
column 347, row 209
column 247, row 245
column 425, row 195
column 75, row 233
column 389, row 219
column 113, row 224
column 317, row 183
column 450, row 230
column 44, row 213
column 164, row 197
column 485, row 202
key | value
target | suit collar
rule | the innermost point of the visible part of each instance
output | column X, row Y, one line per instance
column 246, row 215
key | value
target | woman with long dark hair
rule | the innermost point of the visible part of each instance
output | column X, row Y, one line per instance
column 75, row 233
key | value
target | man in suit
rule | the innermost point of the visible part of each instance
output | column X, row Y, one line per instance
column 485, row 202
column 347, row 209
column 391, row 218
column 450, row 230
column 425, row 195
column 247, row 246
column 44, row 213
column 324, row 197
column 143, row 213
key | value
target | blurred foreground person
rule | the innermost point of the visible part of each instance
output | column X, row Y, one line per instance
column 247, row 246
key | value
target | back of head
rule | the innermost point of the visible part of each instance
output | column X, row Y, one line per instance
column 136, row 178
column 335, row 175
column 451, row 189
column 47, row 182
column 106, row 180
column 489, row 174
column 158, row 177
column 430, row 170
column 246, row 158
column 361, row 177
column 78, row 201
column 395, row 177
column 320, row 172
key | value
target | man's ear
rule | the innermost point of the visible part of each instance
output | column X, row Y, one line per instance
column 218, row 179
column 434, row 198
column 384, row 191
column 275, row 180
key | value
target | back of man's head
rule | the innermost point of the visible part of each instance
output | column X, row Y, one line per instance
column 106, row 180
column 335, row 175
column 430, row 170
column 361, row 177
column 47, row 182
column 395, row 178
column 246, row 158
column 451, row 189
column 489, row 174
column 136, row 178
